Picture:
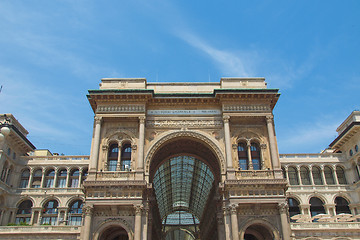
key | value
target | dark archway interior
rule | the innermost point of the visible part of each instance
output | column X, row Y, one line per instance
column 185, row 174
column 258, row 232
column 114, row 233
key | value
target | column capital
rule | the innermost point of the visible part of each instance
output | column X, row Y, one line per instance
column 226, row 118
column 88, row 210
column 97, row 119
column 283, row 207
column 269, row 118
column 233, row 209
column 138, row 209
column 142, row 119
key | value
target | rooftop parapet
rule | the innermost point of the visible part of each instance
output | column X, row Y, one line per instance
column 183, row 87
column 354, row 117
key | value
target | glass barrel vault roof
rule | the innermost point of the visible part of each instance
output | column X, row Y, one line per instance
column 182, row 183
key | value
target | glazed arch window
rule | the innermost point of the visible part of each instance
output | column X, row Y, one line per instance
column 113, row 156
column 329, row 175
column 75, row 212
column 316, row 172
column 356, row 148
column 49, row 178
column 24, row 180
column 341, row 206
column 305, row 175
column 126, row 157
column 293, row 176
column 37, row 179
column 62, row 178
column 50, row 213
column 243, row 156
column 84, row 175
column 341, row 175
column 74, row 178
column 23, row 214
column 351, row 152
column 316, row 207
column 294, row 208
column 255, row 156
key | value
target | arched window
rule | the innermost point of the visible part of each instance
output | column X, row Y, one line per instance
column 24, row 180
column 284, row 173
column 342, row 206
column 316, row 207
column 74, row 178
column 305, row 176
column 293, row 176
column 340, row 175
column 62, row 178
column 4, row 171
column 125, row 157
column 316, row 172
column 113, row 156
column 293, row 208
column 37, row 179
column 75, row 212
column 356, row 148
column 23, row 214
column 84, row 175
column 351, row 152
column 50, row 213
column 8, row 174
column 329, row 175
column 255, row 156
column 243, row 156
column 49, row 179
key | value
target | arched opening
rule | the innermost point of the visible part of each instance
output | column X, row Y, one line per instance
column 114, row 232
column 316, row 207
column 342, row 206
column 294, row 208
column 293, row 176
column 184, row 173
column 258, row 232
column 23, row 214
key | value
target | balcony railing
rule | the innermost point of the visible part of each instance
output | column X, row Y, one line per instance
column 258, row 174
column 119, row 175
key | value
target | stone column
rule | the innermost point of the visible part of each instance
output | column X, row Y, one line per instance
column 299, row 175
column 88, row 212
column 42, row 177
column 140, row 162
column 55, row 177
column 137, row 231
column 335, row 175
column 96, row 145
column 80, row 177
column 234, row 223
column 229, row 161
column 68, row 177
column 30, row 178
column 227, row 223
column 311, row 176
column 263, row 147
column 273, row 148
column 145, row 226
column 250, row 164
column 323, row 175
column 285, row 225
column 220, row 225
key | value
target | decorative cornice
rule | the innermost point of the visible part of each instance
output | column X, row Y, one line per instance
column 132, row 108
column 246, row 108
column 184, row 123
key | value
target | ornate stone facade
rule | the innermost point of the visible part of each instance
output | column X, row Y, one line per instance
column 148, row 136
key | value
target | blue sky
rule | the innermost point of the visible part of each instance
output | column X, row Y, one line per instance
column 52, row 52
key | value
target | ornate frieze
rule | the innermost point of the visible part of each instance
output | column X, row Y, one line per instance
column 184, row 123
column 131, row 108
column 245, row 108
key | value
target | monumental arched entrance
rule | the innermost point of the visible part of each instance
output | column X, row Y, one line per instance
column 185, row 172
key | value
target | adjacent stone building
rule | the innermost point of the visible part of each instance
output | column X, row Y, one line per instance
column 180, row 161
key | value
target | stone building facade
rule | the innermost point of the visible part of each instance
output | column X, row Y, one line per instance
column 180, row 161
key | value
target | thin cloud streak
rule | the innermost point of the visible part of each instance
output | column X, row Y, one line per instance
column 227, row 62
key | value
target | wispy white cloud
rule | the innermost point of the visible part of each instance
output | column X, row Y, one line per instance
column 319, row 133
column 227, row 61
